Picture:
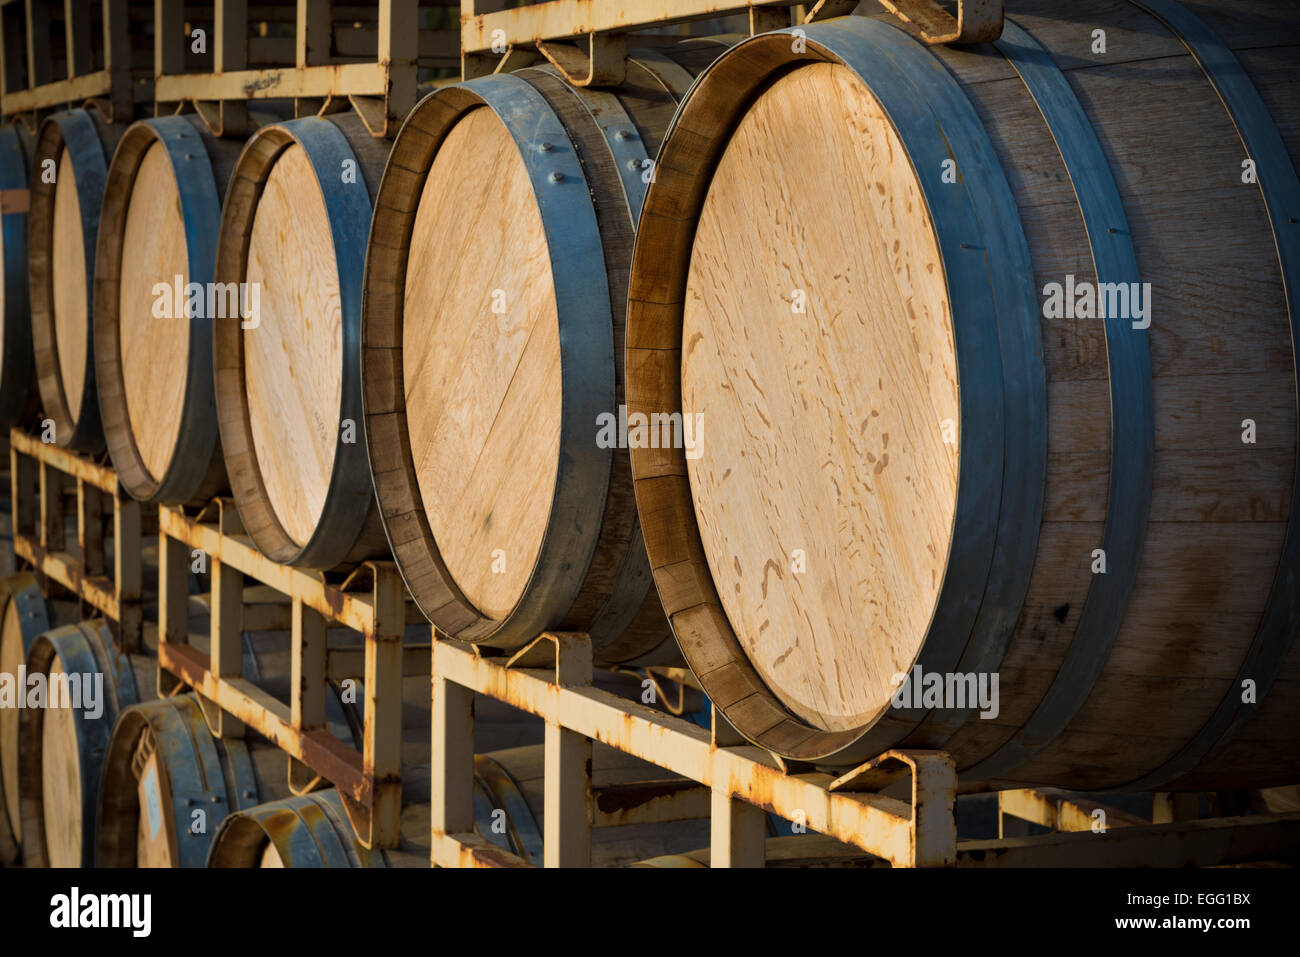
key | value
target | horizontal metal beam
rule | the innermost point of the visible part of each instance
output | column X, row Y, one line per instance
column 351, row 609
column 319, row 750
column 470, row 850
column 58, row 93
column 98, row 591
column 560, row 19
column 1062, row 811
column 1226, row 840
column 70, row 463
column 879, row 825
column 343, row 79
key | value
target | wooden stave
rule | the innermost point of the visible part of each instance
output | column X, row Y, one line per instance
column 703, row 659
column 16, row 381
column 1163, row 769
column 93, row 141
column 196, row 471
column 427, row 577
column 349, row 529
column 88, row 648
column 24, row 590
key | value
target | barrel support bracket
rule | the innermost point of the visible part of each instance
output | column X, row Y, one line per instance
column 977, row 21
column 604, row 64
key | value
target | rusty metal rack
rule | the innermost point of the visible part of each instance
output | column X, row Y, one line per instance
column 1089, row 833
column 371, row 600
column 496, row 39
column 96, row 65
column 330, row 57
column 38, row 472
column 552, row 679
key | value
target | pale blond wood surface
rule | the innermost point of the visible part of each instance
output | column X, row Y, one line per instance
column 154, row 850
column 11, row 658
column 68, row 279
column 482, row 387
column 154, row 350
column 293, row 359
column 271, row 857
column 61, row 783
column 822, row 431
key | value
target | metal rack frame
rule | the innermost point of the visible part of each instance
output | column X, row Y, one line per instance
column 37, row 471
column 551, row 678
column 111, row 84
column 492, row 36
column 382, row 90
column 371, row 600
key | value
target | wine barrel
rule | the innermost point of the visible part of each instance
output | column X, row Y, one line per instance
column 23, row 616
column 492, row 355
column 67, row 186
column 16, row 380
column 288, row 387
column 168, row 784
column 309, row 830
column 153, row 335
column 62, row 748
column 923, row 471
column 163, row 766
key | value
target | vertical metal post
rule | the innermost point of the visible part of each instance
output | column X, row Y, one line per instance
column 737, row 829
column 399, row 50
column 38, row 43
column 51, row 532
column 307, row 668
column 312, row 38
column 230, row 54
column 227, row 625
column 128, row 570
column 567, row 812
column 90, row 528
column 117, row 55
column 382, row 746
column 76, row 35
column 173, row 600
column 451, row 810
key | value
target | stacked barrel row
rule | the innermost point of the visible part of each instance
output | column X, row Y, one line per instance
column 827, row 260
column 197, row 312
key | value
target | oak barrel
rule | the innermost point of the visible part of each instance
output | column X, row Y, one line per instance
column 288, row 388
column 23, row 616
column 62, row 749
column 932, row 458
column 152, row 328
column 16, row 379
column 492, row 344
column 68, row 174
column 168, row 785
column 308, row 830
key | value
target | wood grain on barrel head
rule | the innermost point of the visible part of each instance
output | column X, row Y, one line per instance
column 482, row 385
column 68, row 278
column 11, row 658
column 823, row 431
column 293, row 359
column 61, row 782
column 154, row 349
